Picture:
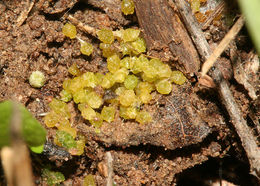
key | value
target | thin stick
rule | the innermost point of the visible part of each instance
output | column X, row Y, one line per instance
column 242, row 129
column 80, row 25
column 7, row 155
column 192, row 26
column 23, row 16
column 89, row 29
column 110, row 169
column 22, row 162
column 222, row 45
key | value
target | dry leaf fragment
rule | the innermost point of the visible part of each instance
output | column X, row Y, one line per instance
column 242, row 77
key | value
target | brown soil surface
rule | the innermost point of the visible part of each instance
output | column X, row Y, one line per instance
column 190, row 132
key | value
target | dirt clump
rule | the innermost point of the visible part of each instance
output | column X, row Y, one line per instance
column 189, row 126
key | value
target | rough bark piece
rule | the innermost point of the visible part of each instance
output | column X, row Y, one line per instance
column 176, row 123
column 155, row 166
column 161, row 24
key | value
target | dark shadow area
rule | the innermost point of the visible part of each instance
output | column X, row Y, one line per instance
column 229, row 169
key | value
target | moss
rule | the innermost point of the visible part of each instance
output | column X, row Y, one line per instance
column 130, row 81
column 89, row 180
column 51, row 177
column 127, row 7
column 37, row 79
column 69, row 30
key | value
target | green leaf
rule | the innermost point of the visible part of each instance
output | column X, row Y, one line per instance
column 38, row 149
column 250, row 9
column 32, row 131
column 5, row 118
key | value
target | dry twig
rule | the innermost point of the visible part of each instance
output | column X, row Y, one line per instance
column 110, row 169
column 245, row 134
column 23, row 16
column 222, row 45
column 80, row 25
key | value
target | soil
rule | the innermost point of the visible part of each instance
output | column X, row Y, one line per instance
column 190, row 134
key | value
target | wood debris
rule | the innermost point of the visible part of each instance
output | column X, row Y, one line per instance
column 239, row 123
